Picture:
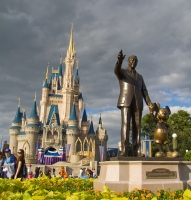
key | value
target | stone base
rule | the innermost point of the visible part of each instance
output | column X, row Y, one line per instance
column 152, row 175
column 124, row 158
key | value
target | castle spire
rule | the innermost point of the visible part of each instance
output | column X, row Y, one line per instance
column 19, row 99
column 33, row 113
column 84, row 117
column 47, row 72
column 73, row 113
column 71, row 44
column 60, row 58
column 100, row 120
column 91, row 128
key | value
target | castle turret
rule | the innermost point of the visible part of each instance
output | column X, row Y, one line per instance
column 23, row 121
column 32, row 130
column 84, row 123
column 101, row 140
column 72, row 131
column 15, row 129
column 44, row 101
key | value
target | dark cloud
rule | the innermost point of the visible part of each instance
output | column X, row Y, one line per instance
column 34, row 33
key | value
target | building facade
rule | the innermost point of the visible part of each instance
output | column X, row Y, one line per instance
column 59, row 121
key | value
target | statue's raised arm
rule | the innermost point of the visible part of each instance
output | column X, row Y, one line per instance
column 117, row 68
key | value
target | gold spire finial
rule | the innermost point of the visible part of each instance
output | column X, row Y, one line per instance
column 60, row 58
column 73, row 48
column 71, row 45
column 35, row 96
column 47, row 72
column 19, row 99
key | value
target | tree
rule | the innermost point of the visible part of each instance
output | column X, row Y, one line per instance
column 180, row 123
column 148, row 126
column 147, row 129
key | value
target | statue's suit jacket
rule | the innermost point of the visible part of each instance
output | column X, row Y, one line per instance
column 131, row 85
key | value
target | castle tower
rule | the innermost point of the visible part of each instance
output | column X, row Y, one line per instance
column 32, row 130
column 15, row 129
column 72, row 131
column 44, row 101
column 101, row 140
column 91, row 138
column 68, row 83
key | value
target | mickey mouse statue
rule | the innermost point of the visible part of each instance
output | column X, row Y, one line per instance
column 160, row 117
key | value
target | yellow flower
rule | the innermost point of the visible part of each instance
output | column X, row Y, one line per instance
column 158, row 194
column 149, row 195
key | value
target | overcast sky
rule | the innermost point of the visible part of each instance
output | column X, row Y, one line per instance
column 34, row 33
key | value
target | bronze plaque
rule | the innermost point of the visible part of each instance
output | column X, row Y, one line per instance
column 161, row 173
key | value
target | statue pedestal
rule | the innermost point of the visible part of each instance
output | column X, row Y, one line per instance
column 152, row 175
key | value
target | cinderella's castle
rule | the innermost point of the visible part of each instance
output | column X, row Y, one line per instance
column 59, row 121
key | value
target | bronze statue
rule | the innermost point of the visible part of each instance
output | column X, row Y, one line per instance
column 132, row 92
column 160, row 117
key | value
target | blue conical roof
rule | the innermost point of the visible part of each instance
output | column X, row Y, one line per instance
column 80, row 96
column 91, row 129
column 73, row 113
column 34, row 111
column 18, row 116
column 45, row 84
column 53, row 109
column 84, row 117
column 24, row 115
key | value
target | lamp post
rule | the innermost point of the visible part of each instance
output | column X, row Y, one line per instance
column 174, row 143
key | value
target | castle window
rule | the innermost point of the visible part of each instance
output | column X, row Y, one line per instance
column 49, row 135
column 55, row 135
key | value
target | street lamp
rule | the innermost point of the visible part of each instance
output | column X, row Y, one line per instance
column 174, row 143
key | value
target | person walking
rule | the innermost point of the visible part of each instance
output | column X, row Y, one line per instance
column 20, row 165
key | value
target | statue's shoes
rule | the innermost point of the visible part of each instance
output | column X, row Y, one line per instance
column 175, row 154
column 123, row 154
column 159, row 154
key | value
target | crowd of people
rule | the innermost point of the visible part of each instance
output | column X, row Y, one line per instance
column 15, row 167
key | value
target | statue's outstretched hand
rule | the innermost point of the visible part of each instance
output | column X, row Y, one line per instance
column 151, row 107
column 121, row 57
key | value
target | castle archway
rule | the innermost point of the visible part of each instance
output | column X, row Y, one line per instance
column 50, row 149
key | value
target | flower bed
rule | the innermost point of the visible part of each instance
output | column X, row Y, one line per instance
column 76, row 189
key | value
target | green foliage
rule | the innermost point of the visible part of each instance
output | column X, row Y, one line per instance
column 77, row 189
column 187, row 156
column 180, row 123
column 148, row 126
